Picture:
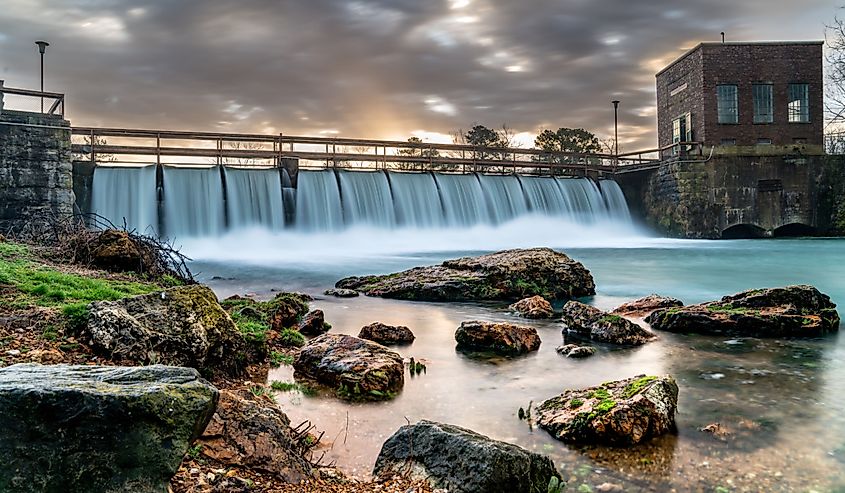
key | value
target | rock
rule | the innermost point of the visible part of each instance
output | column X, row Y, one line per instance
column 505, row 275
column 644, row 306
column 286, row 310
column 387, row 334
column 533, row 307
column 181, row 326
column 590, row 322
column 355, row 367
column 115, row 250
column 623, row 412
column 500, row 338
column 46, row 356
column 314, row 324
column 250, row 432
column 462, row 461
column 98, row 428
column 792, row 311
column 341, row 293
column 576, row 351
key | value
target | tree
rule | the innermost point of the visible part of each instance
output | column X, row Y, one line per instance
column 421, row 150
column 835, row 58
column 574, row 140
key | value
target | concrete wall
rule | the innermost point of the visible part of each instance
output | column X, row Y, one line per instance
column 741, row 196
column 35, row 167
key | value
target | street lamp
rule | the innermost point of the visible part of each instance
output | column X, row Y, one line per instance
column 42, row 47
column 616, row 129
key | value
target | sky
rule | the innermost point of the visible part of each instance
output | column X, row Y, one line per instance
column 375, row 68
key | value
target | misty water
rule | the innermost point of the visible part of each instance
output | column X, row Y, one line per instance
column 782, row 399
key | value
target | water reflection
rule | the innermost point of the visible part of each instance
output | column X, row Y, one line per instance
column 777, row 402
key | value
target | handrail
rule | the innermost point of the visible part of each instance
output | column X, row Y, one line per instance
column 56, row 108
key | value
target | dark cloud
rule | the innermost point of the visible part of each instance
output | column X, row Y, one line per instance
column 370, row 68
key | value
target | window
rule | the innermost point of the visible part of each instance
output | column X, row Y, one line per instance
column 799, row 103
column 762, row 103
column 728, row 142
column 764, row 141
column 681, row 131
column 726, row 103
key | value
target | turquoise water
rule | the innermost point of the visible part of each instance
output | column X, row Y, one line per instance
column 781, row 401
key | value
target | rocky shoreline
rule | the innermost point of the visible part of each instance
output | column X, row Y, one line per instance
column 170, row 347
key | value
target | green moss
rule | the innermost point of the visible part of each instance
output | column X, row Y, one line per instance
column 576, row 403
column 611, row 319
column 604, row 406
column 599, row 393
column 729, row 309
column 637, row 386
column 253, row 331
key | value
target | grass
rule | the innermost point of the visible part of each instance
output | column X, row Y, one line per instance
column 278, row 359
column 47, row 287
column 613, row 319
column 291, row 338
column 291, row 386
column 253, row 331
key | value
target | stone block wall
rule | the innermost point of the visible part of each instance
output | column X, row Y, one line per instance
column 35, row 167
column 741, row 196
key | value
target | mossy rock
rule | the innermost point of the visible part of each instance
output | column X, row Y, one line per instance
column 623, row 412
column 181, row 326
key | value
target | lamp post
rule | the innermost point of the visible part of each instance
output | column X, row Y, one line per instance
column 616, row 130
column 42, row 47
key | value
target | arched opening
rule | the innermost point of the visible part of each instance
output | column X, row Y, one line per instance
column 794, row 229
column 742, row 232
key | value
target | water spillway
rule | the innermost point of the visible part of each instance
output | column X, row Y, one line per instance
column 200, row 202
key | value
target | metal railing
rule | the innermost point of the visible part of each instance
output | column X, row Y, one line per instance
column 121, row 146
column 57, row 106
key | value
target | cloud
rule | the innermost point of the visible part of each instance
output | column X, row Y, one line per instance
column 373, row 68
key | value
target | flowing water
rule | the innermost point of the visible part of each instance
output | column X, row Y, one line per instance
column 781, row 401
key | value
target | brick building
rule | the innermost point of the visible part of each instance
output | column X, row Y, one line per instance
column 744, row 97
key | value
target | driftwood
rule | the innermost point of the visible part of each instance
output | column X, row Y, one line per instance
column 74, row 237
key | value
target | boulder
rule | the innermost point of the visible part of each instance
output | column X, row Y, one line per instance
column 792, row 311
column 248, row 431
column 98, row 428
column 624, row 412
column 114, row 250
column 591, row 323
column 181, row 326
column 576, row 351
column 314, row 323
column 355, row 367
column 644, row 306
column 462, row 461
column 387, row 334
column 501, row 338
column 505, row 275
column 286, row 310
column 533, row 307
column 341, row 293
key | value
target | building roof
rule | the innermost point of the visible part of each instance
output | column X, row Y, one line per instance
column 738, row 43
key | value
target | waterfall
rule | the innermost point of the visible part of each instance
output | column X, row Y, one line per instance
column 318, row 201
column 198, row 202
column 366, row 198
column 614, row 198
column 193, row 201
column 254, row 198
column 463, row 200
column 126, row 195
column 416, row 199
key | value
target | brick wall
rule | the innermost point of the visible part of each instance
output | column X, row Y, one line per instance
column 711, row 64
column 35, row 167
